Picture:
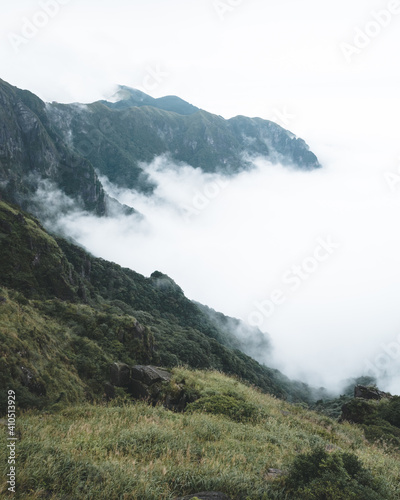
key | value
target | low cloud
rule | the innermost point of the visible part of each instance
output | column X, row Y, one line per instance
column 228, row 242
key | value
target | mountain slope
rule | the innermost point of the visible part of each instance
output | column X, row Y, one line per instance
column 60, row 303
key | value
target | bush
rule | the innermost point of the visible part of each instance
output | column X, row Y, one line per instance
column 391, row 411
column 229, row 406
column 331, row 476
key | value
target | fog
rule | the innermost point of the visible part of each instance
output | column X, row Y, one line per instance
column 311, row 257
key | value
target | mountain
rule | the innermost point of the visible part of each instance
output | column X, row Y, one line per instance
column 65, row 146
column 132, row 390
column 61, row 147
column 68, row 316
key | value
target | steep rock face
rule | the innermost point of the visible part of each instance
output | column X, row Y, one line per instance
column 361, row 391
column 31, row 152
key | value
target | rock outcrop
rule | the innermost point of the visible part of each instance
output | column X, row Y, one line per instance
column 361, row 391
column 149, row 383
column 210, row 495
column 140, row 381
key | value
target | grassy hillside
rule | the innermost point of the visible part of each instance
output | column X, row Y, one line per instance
column 114, row 451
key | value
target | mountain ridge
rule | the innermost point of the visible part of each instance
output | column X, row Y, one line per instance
column 68, row 145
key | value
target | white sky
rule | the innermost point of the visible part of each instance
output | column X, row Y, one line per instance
column 282, row 60
column 258, row 58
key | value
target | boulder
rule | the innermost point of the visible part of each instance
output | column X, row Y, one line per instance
column 149, row 375
column 141, row 381
column 177, row 402
column 210, row 495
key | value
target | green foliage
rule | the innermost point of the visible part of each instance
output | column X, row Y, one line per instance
column 231, row 406
column 379, row 419
column 391, row 411
column 140, row 451
column 320, row 475
column 52, row 348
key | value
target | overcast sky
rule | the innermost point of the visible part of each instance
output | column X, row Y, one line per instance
column 230, row 57
column 329, row 72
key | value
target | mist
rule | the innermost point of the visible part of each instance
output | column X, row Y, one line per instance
column 310, row 257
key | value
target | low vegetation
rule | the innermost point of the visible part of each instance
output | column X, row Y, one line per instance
column 379, row 419
column 138, row 451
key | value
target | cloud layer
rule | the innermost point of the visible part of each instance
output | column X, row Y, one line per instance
column 252, row 243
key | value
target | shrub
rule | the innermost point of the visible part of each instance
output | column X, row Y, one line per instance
column 331, row 476
column 229, row 406
column 391, row 411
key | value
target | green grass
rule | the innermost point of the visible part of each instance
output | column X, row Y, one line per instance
column 149, row 453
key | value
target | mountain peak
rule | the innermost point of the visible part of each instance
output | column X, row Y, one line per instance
column 127, row 97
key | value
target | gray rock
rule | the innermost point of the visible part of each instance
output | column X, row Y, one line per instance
column 149, row 375
column 210, row 495
column 361, row 391
column 275, row 472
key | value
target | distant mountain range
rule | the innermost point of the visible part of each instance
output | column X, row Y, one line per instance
column 69, row 145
